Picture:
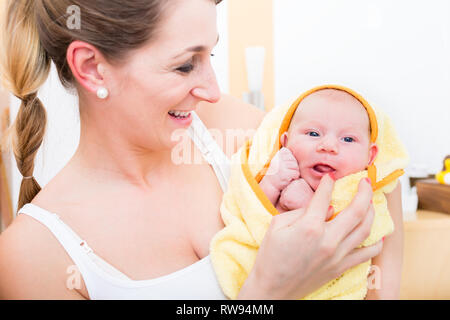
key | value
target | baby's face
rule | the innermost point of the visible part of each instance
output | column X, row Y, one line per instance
column 330, row 133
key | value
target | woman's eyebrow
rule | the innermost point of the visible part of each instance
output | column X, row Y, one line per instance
column 195, row 49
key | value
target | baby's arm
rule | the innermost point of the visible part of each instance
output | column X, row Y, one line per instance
column 282, row 170
column 296, row 195
column 388, row 264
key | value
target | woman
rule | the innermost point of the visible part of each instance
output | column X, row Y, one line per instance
column 126, row 211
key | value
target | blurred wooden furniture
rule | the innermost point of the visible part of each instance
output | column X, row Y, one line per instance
column 433, row 196
column 426, row 259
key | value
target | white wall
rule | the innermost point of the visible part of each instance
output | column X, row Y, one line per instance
column 395, row 53
column 62, row 134
column 63, row 126
column 220, row 61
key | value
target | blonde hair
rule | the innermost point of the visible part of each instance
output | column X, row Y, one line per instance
column 25, row 67
column 35, row 33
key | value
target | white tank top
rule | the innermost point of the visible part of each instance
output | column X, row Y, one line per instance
column 105, row 282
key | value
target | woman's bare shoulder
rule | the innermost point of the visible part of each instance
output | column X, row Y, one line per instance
column 231, row 116
column 33, row 264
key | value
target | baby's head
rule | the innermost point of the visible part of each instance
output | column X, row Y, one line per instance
column 330, row 132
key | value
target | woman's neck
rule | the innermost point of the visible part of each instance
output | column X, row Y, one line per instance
column 107, row 155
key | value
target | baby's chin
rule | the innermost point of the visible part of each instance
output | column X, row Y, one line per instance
column 313, row 179
column 314, row 185
column 314, row 182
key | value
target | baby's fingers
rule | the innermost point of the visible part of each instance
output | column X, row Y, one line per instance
column 293, row 173
column 285, row 153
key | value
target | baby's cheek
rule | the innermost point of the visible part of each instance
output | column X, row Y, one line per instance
column 300, row 148
column 352, row 162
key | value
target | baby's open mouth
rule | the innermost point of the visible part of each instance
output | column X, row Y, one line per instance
column 323, row 168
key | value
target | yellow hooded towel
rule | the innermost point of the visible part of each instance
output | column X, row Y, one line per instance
column 247, row 212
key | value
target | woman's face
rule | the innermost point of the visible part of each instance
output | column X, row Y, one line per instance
column 169, row 75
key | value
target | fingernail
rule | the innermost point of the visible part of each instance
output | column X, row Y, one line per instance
column 330, row 208
column 371, row 201
column 332, row 176
column 383, row 239
column 368, row 181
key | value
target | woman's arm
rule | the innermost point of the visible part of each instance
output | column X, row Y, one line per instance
column 387, row 267
column 33, row 265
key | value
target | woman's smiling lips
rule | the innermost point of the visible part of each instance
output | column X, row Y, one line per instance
column 181, row 118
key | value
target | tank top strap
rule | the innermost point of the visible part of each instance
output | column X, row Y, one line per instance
column 72, row 243
column 78, row 250
column 210, row 150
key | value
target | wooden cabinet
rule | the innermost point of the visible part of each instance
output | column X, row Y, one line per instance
column 426, row 263
column 433, row 196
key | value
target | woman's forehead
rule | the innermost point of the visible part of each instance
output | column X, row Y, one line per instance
column 188, row 24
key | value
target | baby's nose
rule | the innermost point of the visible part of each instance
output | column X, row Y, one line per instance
column 328, row 145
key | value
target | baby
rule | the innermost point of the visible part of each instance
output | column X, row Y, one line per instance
column 329, row 134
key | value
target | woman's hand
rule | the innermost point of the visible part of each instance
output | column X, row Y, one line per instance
column 301, row 251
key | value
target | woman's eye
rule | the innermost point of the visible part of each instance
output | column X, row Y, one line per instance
column 186, row 68
column 348, row 139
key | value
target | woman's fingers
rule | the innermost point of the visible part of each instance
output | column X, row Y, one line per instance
column 358, row 234
column 353, row 215
column 330, row 213
column 358, row 256
column 320, row 202
column 286, row 219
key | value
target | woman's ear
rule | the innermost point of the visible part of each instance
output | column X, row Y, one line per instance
column 284, row 139
column 373, row 151
column 84, row 61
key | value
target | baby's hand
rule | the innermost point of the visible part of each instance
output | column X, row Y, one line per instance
column 296, row 195
column 283, row 169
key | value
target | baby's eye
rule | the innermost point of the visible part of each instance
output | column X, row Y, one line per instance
column 348, row 139
column 312, row 134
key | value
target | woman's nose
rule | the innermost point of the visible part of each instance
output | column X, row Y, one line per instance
column 207, row 89
column 328, row 144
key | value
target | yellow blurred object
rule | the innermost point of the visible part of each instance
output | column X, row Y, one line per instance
column 443, row 177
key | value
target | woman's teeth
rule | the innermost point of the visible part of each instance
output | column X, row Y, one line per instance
column 180, row 114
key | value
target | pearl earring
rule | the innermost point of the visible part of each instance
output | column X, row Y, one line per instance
column 102, row 93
